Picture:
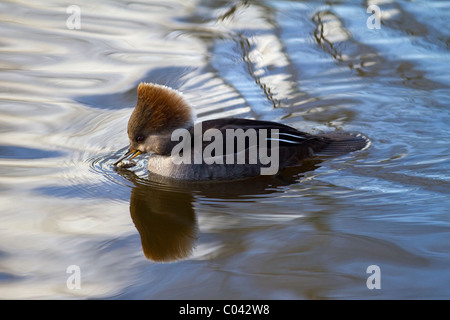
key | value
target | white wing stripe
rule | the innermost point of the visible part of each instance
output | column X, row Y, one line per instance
column 283, row 140
column 291, row 135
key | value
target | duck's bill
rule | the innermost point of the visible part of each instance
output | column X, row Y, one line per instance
column 128, row 156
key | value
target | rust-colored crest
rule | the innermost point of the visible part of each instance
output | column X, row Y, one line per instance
column 159, row 108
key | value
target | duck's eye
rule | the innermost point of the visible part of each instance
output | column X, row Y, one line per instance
column 140, row 139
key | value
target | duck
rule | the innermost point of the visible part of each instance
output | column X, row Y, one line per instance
column 163, row 124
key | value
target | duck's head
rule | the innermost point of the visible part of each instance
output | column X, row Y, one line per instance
column 158, row 112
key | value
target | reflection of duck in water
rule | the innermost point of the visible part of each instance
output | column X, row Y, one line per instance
column 163, row 209
column 164, row 217
column 220, row 149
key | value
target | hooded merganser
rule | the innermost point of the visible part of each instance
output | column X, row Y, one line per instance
column 219, row 149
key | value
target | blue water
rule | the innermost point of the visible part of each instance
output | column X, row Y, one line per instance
column 65, row 99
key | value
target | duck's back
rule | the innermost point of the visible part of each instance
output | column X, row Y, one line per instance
column 247, row 148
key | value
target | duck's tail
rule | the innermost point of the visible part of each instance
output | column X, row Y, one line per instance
column 343, row 143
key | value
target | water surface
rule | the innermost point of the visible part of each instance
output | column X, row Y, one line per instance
column 311, row 233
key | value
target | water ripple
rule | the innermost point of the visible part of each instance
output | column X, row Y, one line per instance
column 66, row 96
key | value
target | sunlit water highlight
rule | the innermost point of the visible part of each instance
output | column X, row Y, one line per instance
column 65, row 99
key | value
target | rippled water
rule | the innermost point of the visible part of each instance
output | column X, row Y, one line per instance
column 65, row 98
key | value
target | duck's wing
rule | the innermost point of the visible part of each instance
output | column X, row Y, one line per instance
column 285, row 135
column 329, row 144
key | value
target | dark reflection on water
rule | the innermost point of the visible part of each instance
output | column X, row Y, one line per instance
column 163, row 212
column 66, row 96
column 365, row 59
column 165, row 219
